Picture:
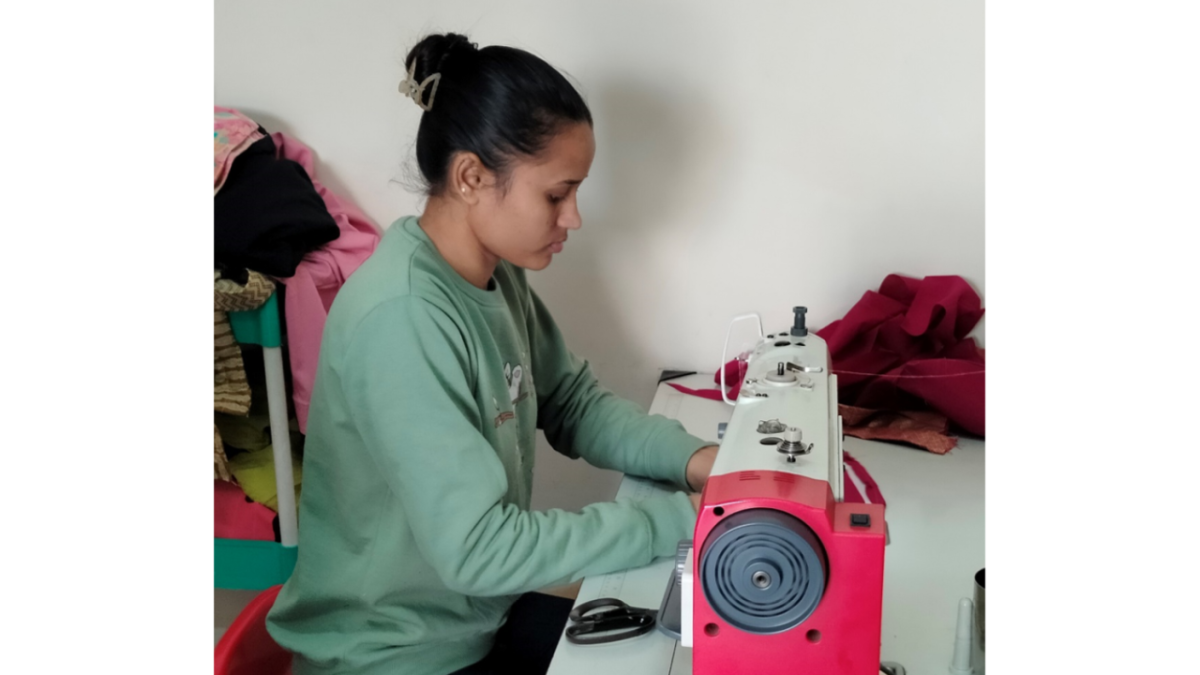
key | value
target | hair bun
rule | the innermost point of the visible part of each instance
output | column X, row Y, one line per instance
column 432, row 52
column 498, row 103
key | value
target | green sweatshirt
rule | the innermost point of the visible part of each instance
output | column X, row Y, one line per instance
column 415, row 530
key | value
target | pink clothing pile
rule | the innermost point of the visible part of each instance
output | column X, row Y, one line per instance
column 318, row 278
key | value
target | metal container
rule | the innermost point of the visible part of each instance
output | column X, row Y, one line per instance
column 977, row 640
column 979, row 613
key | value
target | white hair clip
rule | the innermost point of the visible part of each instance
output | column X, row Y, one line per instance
column 416, row 92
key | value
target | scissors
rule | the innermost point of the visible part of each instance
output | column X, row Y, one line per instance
column 608, row 620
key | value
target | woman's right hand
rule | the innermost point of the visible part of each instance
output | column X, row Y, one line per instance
column 695, row 497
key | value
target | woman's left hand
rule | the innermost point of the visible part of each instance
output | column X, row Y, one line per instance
column 699, row 466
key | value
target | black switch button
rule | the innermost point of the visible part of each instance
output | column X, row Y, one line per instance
column 860, row 520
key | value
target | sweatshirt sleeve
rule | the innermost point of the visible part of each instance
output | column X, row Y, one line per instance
column 407, row 377
column 583, row 419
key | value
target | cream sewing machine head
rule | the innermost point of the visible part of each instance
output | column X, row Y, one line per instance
column 786, row 416
column 783, row 577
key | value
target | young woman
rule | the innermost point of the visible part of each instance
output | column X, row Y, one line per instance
column 438, row 365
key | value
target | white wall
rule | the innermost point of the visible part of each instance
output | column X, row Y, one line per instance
column 751, row 156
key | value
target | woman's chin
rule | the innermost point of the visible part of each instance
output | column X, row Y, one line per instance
column 536, row 262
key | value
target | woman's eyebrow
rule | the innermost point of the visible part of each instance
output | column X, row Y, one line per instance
column 571, row 181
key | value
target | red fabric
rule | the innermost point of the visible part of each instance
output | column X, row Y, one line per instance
column 735, row 373
column 850, row 493
column 906, row 368
column 236, row 518
column 905, row 348
column 924, row 429
column 850, row 490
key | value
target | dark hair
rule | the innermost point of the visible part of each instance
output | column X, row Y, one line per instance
column 497, row 102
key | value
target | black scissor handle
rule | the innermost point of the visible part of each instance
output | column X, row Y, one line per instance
column 578, row 613
column 608, row 620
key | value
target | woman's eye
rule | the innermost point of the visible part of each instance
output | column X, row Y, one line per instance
column 554, row 199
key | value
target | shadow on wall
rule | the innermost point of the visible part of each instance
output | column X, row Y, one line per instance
column 648, row 142
column 646, row 145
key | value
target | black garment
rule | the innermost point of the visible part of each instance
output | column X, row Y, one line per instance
column 268, row 215
column 238, row 275
column 525, row 643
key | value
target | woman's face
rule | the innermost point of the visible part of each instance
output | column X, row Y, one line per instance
column 527, row 223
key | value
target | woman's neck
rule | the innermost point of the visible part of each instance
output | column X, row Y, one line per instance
column 445, row 222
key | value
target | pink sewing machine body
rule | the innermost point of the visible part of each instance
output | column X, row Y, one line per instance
column 783, row 577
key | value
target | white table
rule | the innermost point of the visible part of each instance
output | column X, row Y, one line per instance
column 935, row 519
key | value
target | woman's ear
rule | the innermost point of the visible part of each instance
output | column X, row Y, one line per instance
column 468, row 177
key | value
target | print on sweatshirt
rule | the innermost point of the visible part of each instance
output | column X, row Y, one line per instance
column 514, row 375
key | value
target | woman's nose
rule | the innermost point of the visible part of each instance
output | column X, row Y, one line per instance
column 570, row 219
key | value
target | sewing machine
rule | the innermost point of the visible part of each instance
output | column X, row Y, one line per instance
column 783, row 577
